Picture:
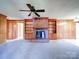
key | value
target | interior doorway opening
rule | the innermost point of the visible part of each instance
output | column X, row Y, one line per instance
column 77, row 31
column 20, row 30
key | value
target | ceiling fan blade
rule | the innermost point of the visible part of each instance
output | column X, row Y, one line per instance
column 29, row 14
column 29, row 6
column 24, row 10
column 41, row 10
column 37, row 14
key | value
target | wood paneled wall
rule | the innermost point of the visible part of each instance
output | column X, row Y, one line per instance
column 66, row 29
column 12, row 28
column 57, row 29
column 3, row 28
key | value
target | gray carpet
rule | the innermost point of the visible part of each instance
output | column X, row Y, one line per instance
column 22, row 49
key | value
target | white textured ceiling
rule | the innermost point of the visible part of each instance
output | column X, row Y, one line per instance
column 54, row 8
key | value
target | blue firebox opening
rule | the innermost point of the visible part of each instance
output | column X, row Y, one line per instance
column 41, row 34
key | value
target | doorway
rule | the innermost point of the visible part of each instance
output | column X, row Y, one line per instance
column 20, row 30
column 77, row 30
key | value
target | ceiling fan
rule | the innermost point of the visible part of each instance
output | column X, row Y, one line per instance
column 32, row 9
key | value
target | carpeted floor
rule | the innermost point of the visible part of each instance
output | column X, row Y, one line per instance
column 22, row 49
